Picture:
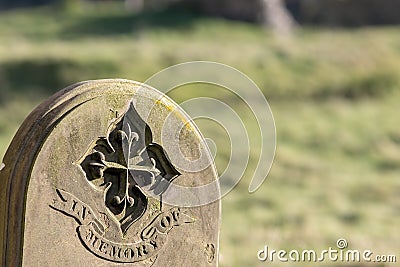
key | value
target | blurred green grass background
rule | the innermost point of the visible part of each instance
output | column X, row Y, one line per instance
column 334, row 94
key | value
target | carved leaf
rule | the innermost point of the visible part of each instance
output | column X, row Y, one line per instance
column 125, row 164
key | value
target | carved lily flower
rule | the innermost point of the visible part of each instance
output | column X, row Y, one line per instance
column 126, row 165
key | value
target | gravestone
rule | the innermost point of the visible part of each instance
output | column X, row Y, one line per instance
column 91, row 179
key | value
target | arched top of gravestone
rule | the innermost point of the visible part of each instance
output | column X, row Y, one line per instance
column 90, row 175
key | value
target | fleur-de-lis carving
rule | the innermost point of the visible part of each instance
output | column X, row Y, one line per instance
column 123, row 163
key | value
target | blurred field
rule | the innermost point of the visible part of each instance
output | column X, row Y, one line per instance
column 334, row 94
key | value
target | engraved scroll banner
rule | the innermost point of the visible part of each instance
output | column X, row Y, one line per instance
column 91, row 231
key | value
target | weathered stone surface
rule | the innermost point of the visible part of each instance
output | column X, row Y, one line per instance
column 85, row 177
